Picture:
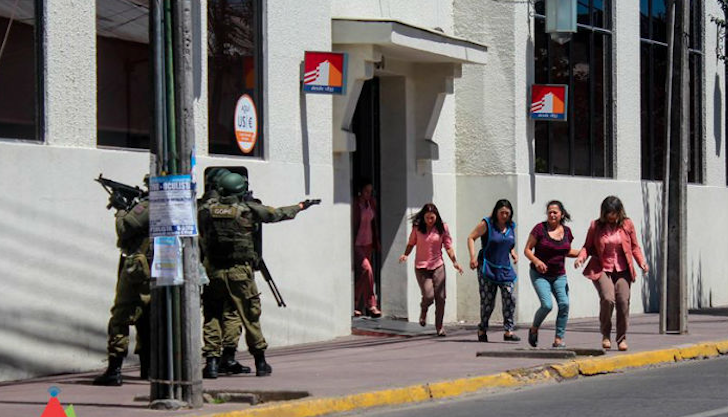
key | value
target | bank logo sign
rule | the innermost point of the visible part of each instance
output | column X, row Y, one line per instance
column 54, row 407
column 324, row 72
column 549, row 102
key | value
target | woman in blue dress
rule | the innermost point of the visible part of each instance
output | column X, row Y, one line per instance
column 493, row 263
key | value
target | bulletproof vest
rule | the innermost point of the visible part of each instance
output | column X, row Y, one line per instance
column 132, row 229
column 229, row 228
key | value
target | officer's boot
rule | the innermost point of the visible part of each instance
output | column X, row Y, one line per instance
column 144, row 365
column 261, row 366
column 228, row 364
column 210, row 371
column 112, row 376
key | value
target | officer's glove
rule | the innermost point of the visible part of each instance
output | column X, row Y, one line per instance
column 116, row 201
column 308, row 203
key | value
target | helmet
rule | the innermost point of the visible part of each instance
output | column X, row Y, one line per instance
column 214, row 175
column 233, row 184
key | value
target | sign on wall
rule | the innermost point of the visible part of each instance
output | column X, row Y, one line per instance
column 549, row 102
column 324, row 72
column 246, row 123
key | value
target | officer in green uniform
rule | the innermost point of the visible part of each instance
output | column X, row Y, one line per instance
column 131, row 303
column 227, row 227
column 230, row 323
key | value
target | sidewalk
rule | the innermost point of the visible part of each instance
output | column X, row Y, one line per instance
column 359, row 364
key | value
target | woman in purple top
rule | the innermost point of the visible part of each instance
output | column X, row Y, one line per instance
column 548, row 244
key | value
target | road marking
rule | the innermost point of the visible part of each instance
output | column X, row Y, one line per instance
column 710, row 413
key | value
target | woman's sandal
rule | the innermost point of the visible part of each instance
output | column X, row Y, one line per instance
column 606, row 344
column 482, row 336
column 533, row 337
column 511, row 337
column 622, row 346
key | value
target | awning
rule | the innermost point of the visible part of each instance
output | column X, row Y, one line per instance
column 407, row 42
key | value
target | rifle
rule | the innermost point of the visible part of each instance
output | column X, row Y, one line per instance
column 123, row 197
column 263, row 268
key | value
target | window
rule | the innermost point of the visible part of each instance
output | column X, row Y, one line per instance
column 21, row 83
column 583, row 144
column 653, row 33
column 234, row 68
column 123, row 79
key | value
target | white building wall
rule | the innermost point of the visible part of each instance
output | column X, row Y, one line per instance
column 495, row 158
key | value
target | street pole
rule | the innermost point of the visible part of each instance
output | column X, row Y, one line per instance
column 191, row 371
column 176, row 377
column 673, row 300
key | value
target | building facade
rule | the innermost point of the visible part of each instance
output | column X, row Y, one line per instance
column 435, row 110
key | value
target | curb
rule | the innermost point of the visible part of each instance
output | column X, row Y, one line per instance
column 453, row 388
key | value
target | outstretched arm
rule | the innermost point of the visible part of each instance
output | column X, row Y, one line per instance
column 268, row 214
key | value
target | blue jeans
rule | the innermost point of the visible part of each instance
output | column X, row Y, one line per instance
column 559, row 287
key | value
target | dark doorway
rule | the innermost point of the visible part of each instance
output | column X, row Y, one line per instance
column 366, row 159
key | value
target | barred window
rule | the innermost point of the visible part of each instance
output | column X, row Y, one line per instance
column 21, row 82
column 235, row 50
column 653, row 57
column 123, row 90
column 583, row 144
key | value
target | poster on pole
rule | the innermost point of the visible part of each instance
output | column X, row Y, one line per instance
column 549, row 102
column 172, row 206
column 167, row 265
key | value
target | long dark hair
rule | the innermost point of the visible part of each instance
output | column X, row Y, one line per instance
column 565, row 216
column 499, row 205
column 612, row 204
column 418, row 219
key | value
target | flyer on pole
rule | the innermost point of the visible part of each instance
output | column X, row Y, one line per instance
column 172, row 206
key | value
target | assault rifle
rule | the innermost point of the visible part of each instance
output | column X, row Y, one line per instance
column 122, row 196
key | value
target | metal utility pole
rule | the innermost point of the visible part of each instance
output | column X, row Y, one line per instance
column 175, row 372
column 673, row 300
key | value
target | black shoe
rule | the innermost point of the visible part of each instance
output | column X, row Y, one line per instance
column 262, row 368
column 228, row 364
column 533, row 338
column 482, row 337
column 112, row 376
column 144, row 366
column 210, row 370
column 511, row 338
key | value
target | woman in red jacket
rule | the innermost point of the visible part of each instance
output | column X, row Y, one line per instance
column 366, row 242
column 613, row 246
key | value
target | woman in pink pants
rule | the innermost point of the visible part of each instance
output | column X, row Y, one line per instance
column 366, row 241
column 613, row 246
column 430, row 235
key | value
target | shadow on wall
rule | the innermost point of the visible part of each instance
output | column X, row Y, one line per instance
column 53, row 267
column 651, row 238
column 699, row 299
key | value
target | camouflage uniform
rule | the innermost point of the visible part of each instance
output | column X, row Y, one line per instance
column 227, row 227
column 131, row 303
column 229, row 329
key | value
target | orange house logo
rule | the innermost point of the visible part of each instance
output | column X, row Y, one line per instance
column 324, row 72
column 54, row 407
column 549, row 102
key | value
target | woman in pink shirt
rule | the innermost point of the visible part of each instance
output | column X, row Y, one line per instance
column 430, row 235
column 613, row 246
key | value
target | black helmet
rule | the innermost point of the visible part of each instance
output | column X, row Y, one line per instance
column 233, row 184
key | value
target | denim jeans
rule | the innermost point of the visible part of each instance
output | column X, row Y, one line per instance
column 559, row 287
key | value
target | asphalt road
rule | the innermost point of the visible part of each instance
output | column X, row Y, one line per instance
column 691, row 389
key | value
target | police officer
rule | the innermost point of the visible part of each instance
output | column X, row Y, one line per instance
column 228, row 320
column 131, row 303
column 227, row 227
